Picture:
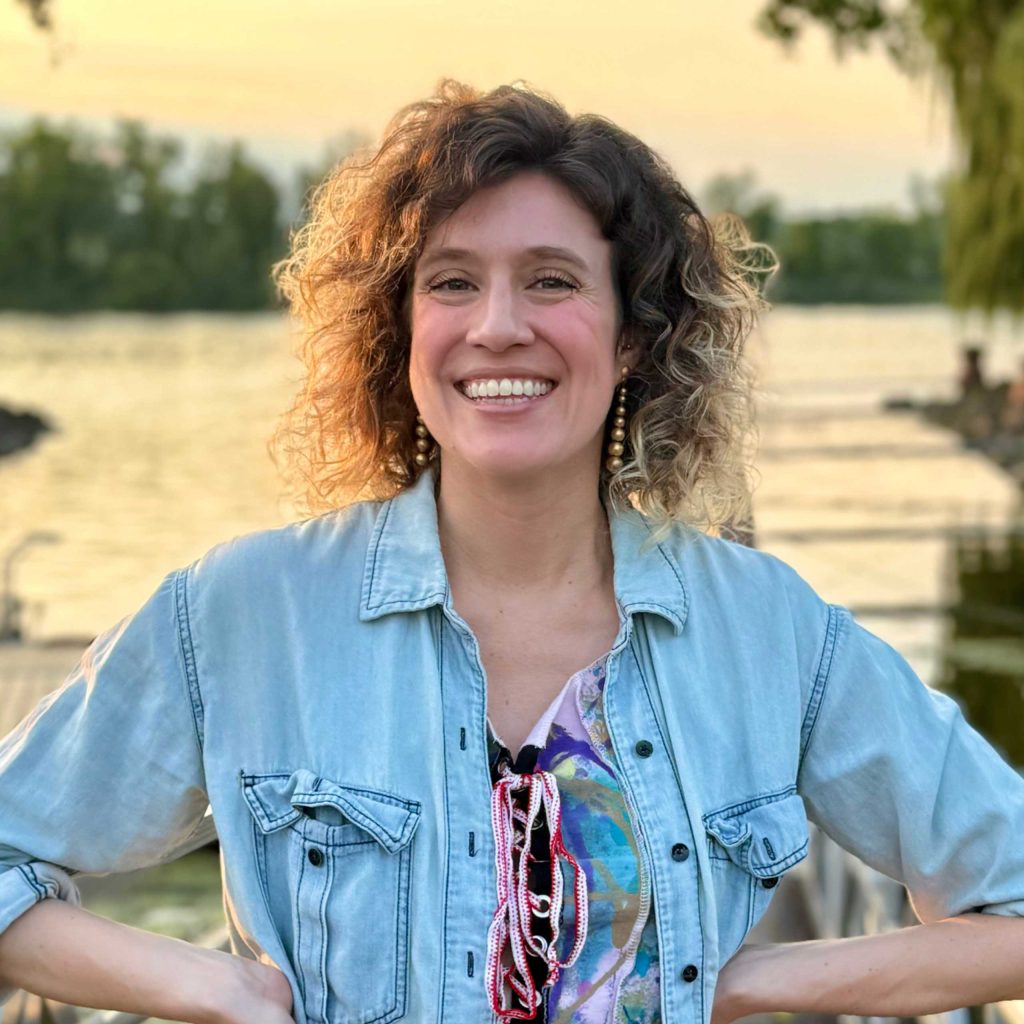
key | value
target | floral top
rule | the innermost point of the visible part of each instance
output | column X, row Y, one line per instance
column 615, row 980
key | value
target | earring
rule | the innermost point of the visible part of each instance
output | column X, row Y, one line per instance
column 615, row 446
column 424, row 442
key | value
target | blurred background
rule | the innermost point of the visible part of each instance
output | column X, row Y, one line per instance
column 154, row 158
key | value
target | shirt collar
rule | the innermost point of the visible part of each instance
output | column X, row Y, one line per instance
column 405, row 569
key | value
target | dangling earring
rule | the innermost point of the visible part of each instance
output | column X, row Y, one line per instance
column 615, row 446
column 424, row 442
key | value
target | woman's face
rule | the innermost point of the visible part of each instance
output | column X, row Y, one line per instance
column 514, row 327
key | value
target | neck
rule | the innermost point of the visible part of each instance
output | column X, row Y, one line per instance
column 530, row 534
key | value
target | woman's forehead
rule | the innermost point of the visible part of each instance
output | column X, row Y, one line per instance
column 530, row 215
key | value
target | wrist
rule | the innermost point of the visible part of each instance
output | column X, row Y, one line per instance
column 741, row 994
column 214, row 989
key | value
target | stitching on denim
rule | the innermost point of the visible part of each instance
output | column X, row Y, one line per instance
column 188, row 655
column 300, row 969
column 370, row 574
column 409, row 604
column 836, row 620
column 411, row 807
column 732, row 810
column 380, row 795
column 326, row 881
column 442, row 626
column 664, row 742
column 29, row 874
column 259, row 845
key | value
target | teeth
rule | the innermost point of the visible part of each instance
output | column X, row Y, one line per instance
column 506, row 387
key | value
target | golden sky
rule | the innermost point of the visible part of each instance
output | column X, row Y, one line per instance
column 696, row 80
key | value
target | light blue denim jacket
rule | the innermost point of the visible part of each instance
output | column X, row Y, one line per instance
column 316, row 688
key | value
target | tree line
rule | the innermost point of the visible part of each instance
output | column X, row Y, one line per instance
column 91, row 223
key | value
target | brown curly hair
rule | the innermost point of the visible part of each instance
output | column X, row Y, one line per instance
column 688, row 291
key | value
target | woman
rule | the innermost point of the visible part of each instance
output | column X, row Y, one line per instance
column 511, row 738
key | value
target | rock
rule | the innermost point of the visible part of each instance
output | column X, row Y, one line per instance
column 19, row 430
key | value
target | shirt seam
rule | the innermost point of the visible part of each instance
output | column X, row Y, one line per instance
column 824, row 672
column 188, row 657
column 28, row 873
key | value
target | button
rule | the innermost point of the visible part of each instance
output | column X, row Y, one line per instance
column 644, row 748
column 680, row 851
column 690, row 973
column 316, row 858
column 769, row 883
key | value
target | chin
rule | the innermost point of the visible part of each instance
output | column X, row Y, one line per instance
column 517, row 464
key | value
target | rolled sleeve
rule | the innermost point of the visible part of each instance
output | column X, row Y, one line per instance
column 105, row 774
column 893, row 772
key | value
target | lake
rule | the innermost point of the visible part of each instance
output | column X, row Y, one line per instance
column 162, row 422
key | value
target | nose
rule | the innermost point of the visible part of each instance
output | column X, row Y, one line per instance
column 500, row 320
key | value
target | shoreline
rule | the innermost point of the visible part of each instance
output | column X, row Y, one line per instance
column 983, row 420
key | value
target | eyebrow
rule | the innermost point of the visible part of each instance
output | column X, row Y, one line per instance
column 550, row 252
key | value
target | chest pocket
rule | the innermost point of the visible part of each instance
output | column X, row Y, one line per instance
column 334, row 861
column 751, row 846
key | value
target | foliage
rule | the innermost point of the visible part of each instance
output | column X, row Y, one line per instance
column 976, row 49
column 39, row 12
column 869, row 257
column 112, row 224
column 95, row 224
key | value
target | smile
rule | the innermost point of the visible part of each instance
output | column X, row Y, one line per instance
column 519, row 388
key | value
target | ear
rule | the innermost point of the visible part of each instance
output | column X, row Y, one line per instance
column 627, row 352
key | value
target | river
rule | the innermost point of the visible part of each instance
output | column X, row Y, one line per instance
column 162, row 422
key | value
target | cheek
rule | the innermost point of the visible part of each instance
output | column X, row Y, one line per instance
column 585, row 338
column 427, row 342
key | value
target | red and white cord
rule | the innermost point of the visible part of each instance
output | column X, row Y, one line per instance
column 511, row 926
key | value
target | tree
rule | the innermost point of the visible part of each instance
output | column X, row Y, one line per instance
column 976, row 49
column 736, row 193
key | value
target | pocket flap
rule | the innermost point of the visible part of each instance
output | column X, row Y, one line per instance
column 764, row 839
column 278, row 800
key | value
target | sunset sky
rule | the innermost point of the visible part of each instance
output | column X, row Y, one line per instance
column 696, row 80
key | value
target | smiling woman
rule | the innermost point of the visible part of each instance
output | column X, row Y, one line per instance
column 512, row 739
column 397, row 234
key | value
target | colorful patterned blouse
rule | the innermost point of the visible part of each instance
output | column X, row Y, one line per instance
column 615, row 980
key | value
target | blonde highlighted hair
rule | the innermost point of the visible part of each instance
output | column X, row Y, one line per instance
column 688, row 291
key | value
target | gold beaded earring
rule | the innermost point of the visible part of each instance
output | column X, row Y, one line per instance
column 424, row 442
column 615, row 446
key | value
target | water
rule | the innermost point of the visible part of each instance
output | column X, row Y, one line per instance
column 162, row 422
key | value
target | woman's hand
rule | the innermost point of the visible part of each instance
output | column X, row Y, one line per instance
column 924, row 969
column 256, row 993
column 732, row 994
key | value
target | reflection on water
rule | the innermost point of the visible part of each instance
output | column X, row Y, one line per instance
column 983, row 657
column 158, row 453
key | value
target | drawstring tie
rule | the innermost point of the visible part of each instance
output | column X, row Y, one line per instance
column 516, row 803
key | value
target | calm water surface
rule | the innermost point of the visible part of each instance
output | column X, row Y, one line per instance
column 161, row 426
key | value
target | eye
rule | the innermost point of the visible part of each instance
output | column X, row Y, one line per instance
column 452, row 283
column 550, row 282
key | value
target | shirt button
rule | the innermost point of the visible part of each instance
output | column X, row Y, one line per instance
column 689, row 973
column 769, row 883
column 316, row 858
column 644, row 748
column 680, row 851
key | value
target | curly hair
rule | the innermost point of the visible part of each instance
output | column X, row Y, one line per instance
column 688, row 290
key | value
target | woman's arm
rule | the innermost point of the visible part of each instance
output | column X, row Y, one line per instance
column 63, row 952
column 929, row 968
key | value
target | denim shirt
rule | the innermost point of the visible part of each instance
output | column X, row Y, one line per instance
column 316, row 688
